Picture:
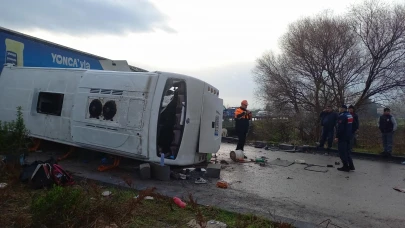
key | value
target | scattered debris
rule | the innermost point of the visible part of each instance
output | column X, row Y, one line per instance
column 200, row 170
column 337, row 163
column 179, row 202
column 280, row 162
column 175, row 175
column 316, row 168
column 299, row 161
column 106, row 193
column 260, row 145
column 149, row 198
column 289, row 178
column 222, row 184
column 210, row 224
column 224, row 162
column 236, row 155
column 200, row 181
column 399, row 189
column 259, row 160
column 178, row 176
column 329, row 166
column 3, row 185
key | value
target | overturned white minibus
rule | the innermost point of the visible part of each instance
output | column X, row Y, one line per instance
column 130, row 114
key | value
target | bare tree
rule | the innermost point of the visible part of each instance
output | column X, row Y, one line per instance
column 381, row 30
column 318, row 65
column 323, row 52
column 275, row 85
column 331, row 60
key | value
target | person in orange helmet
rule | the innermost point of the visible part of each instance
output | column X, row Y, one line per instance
column 242, row 117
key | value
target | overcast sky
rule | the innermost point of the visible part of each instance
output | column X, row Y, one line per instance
column 216, row 41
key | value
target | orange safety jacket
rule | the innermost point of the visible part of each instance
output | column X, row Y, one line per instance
column 242, row 120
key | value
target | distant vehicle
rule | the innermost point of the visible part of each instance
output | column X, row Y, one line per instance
column 229, row 112
column 116, row 112
column 262, row 113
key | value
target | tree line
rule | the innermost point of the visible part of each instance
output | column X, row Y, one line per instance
column 328, row 59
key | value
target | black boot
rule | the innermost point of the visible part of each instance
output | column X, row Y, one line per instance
column 344, row 168
column 351, row 166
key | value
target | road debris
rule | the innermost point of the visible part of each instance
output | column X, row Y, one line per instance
column 106, row 193
column 179, row 202
column 210, row 224
column 3, row 185
column 224, row 162
column 222, row 184
column 399, row 189
column 299, row 161
column 200, row 181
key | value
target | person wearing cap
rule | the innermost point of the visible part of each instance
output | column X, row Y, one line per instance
column 328, row 122
column 355, row 127
column 343, row 137
column 387, row 125
column 242, row 118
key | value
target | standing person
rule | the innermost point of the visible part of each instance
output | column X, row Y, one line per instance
column 328, row 122
column 355, row 127
column 343, row 136
column 387, row 125
column 242, row 118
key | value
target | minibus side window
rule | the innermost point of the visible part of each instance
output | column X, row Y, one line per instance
column 50, row 103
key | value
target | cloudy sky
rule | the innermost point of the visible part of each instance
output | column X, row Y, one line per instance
column 216, row 41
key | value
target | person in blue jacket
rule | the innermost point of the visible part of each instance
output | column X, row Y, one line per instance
column 343, row 137
column 328, row 122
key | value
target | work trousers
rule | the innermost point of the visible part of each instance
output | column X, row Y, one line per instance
column 344, row 152
column 241, row 140
column 327, row 133
column 352, row 141
column 387, row 141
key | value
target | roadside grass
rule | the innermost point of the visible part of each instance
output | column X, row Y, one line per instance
column 83, row 205
column 372, row 150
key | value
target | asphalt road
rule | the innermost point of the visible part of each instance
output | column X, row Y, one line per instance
column 363, row 198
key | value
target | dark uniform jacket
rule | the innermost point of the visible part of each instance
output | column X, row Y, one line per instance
column 356, row 122
column 344, row 127
column 386, row 124
column 328, row 119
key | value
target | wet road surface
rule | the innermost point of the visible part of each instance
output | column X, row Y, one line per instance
column 364, row 198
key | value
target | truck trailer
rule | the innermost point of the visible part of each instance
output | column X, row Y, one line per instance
column 24, row 50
